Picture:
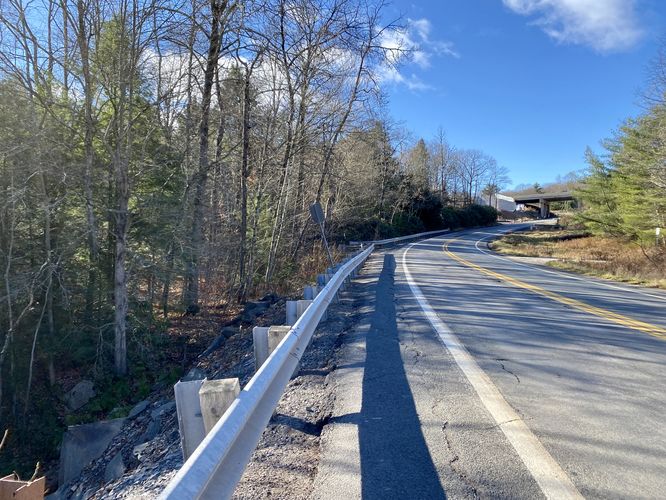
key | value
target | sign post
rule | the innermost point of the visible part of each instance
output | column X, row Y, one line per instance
column 657, row 232
column 317, row 215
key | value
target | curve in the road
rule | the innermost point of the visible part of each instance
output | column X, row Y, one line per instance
column 620, row 319
column 588, row 388
column 495, row 255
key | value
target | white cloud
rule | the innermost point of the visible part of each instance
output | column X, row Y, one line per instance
column 605, row 25
column 389, row 74
column 411, row 44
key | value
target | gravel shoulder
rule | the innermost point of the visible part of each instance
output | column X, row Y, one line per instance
column 285, row 462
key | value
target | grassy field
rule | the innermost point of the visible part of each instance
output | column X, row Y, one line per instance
column 581, row 252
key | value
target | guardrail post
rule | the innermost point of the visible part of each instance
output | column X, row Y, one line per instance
column 215, row 396
column 310, row 293
column 322, row 279
column 295, row 309
column 260, row 344
column 266, row 339
column 220, row 464
column 190, row 420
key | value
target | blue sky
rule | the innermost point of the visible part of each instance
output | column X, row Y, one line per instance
column 530, row 82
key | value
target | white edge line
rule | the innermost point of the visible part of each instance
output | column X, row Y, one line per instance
column 564, row 275
column 548, row 474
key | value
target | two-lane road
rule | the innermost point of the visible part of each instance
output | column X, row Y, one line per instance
column 502, row 379
column 582, row 361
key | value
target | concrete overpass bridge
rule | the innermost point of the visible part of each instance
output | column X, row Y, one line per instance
column 542, row 201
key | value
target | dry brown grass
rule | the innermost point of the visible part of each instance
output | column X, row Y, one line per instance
column 609, row 258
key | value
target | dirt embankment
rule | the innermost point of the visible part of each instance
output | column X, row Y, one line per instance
column 285, row 461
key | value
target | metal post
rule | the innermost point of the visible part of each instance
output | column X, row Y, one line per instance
column 317, row 215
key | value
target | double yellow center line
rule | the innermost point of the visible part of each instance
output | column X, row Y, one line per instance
column 648, row 328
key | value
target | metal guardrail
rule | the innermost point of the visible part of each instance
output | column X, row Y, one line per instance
column 399, row 239
column 216, row 466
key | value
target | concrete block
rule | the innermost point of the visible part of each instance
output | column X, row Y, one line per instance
column 291, row 315
column 215, row 396
column 301, row 307
column 295, row 309
column 260, row 343
column 311, row 292
column 190, row 420
column 275, row 336
column 84, row 443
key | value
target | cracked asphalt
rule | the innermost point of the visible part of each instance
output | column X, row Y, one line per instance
column 407, row 423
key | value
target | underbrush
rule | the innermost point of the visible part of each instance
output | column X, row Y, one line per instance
column 579, row 251
column 424, row 217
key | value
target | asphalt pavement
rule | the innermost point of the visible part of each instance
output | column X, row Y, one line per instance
column 472, row 375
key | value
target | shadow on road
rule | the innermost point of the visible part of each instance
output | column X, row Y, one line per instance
column 395, row 461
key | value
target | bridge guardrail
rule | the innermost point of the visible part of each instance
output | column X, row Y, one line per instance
column 216, row 466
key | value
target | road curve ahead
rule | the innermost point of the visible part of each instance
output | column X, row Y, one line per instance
column 571, row 368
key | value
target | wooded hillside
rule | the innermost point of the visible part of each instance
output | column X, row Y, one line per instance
column 157, row 157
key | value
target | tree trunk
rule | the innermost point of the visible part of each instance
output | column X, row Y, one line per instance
column 120, row 272
column 218, row 10
column 244, row 177
column 82, row 38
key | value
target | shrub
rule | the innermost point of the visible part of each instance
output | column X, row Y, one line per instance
column 471, row 216
column 428, row 208
column 423, row 213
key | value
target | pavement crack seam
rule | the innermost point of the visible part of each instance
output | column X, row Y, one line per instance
column 416, row 354
column 435, row 407
column 501, row 362
column 456, row 458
